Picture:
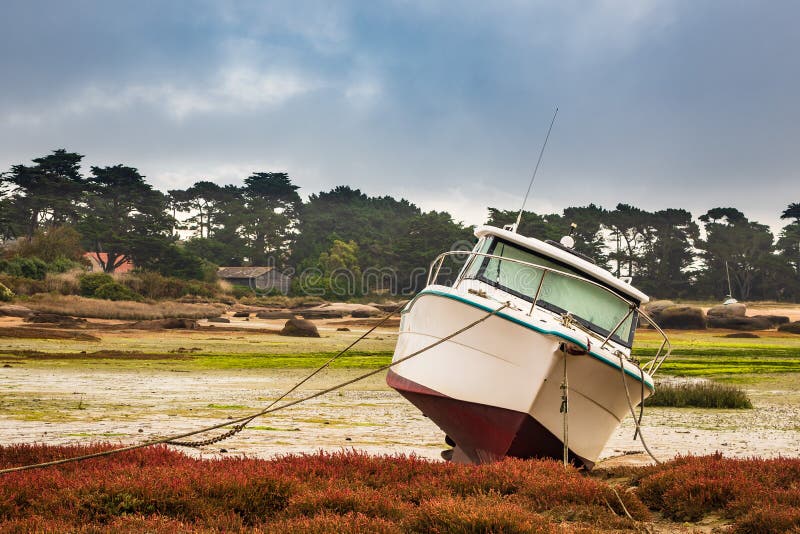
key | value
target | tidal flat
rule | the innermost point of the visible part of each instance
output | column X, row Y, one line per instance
column 132, row 386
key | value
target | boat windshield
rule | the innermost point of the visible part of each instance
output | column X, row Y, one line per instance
column 592, row 306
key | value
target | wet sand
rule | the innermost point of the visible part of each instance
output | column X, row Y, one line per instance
column 74, row 405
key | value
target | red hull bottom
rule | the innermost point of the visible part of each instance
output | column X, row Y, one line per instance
column 484, row 433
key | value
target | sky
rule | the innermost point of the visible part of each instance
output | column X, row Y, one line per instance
column 662, row 104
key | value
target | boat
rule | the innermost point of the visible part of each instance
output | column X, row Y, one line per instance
column 544, row 369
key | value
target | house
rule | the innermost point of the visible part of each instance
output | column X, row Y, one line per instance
column 96, row 267
column 256, row 278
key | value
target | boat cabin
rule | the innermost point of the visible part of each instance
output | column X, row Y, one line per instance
column 522, row 269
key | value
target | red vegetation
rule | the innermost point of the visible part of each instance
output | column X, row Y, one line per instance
column 761, row 496
column 163, row 491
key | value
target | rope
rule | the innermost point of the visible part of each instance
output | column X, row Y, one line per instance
column 238, row 428
column 630, row 405
column 565, row 409
column 248, row 418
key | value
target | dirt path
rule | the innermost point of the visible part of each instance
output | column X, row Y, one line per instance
column 77, row 405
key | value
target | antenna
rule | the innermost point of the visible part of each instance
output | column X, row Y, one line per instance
column 541, row 153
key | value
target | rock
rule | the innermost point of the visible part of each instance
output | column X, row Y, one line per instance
column 792, row 328
column 343, row 329
column 364, row 314
column 317, row 313
column 389, row 306
column 242, row 314
column 739, row 323
column 168, row 324
column 15, row 310
column 654, row 309
column 775, row 320
column 337, row 310
column 218, row 320
column 743, row 335
column 299, row 328
column 682, row 318
column 728, row 310
column 275, row 314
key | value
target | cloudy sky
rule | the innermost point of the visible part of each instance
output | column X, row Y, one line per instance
column 691, row 104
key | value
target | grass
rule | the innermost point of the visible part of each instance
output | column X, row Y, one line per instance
column 707, row 354
column 120, row 310
column 160, row 490
column 699, row 395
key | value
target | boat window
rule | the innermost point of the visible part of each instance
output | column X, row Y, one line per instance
column 594, row 307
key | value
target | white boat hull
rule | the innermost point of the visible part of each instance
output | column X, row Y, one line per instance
column 495, row 389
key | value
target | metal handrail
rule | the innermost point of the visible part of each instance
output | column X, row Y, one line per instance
column 651, row 367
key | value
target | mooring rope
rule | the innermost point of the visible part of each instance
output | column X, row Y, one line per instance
column 265, row 411
column 633, row 411
column 238, row 428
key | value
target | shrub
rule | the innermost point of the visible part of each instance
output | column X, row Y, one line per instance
column 486, row 513
column 62, row 265
column 90, row 282
column 21, row 286
column 115, row 291
column 5, row 294
column 33, row 268
column 66, row 283
column 155, row 286
column 699, row 395
column 52, row 244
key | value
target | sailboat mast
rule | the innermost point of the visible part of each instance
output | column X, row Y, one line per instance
column 728, row 275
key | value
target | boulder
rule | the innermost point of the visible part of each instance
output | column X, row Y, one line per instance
column 682, row 318
column 15, row 310
column 165, row 324
column 792, row 328
column 320, row 313
column 389, row 306
column 275, row 314
column 742, row 335
column 728, row 310
column 775, row 320
column 299, row 328
column 218, row 320
column 343, row 329
column 340, row 309
column 364, row 314
column 241, row 314
column 739, row 323
column 654, row 309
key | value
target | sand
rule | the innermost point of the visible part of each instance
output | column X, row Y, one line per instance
column 75, row 406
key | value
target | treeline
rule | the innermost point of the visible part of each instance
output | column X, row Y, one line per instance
column 51, row 212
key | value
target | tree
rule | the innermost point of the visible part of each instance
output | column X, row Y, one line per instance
column 668, row 253
column 48, row 193
column 349, row 215
column 792, row 212
column 554, row 226
column 207, row 204
column 746, row 246
column 335, row 273
column 419, row 242
column 127, row 219
column 271, row 216
column 788, row 247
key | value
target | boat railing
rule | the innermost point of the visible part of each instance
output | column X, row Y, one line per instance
column 468, row 257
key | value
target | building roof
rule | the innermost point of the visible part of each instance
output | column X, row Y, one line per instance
column 242, row 272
